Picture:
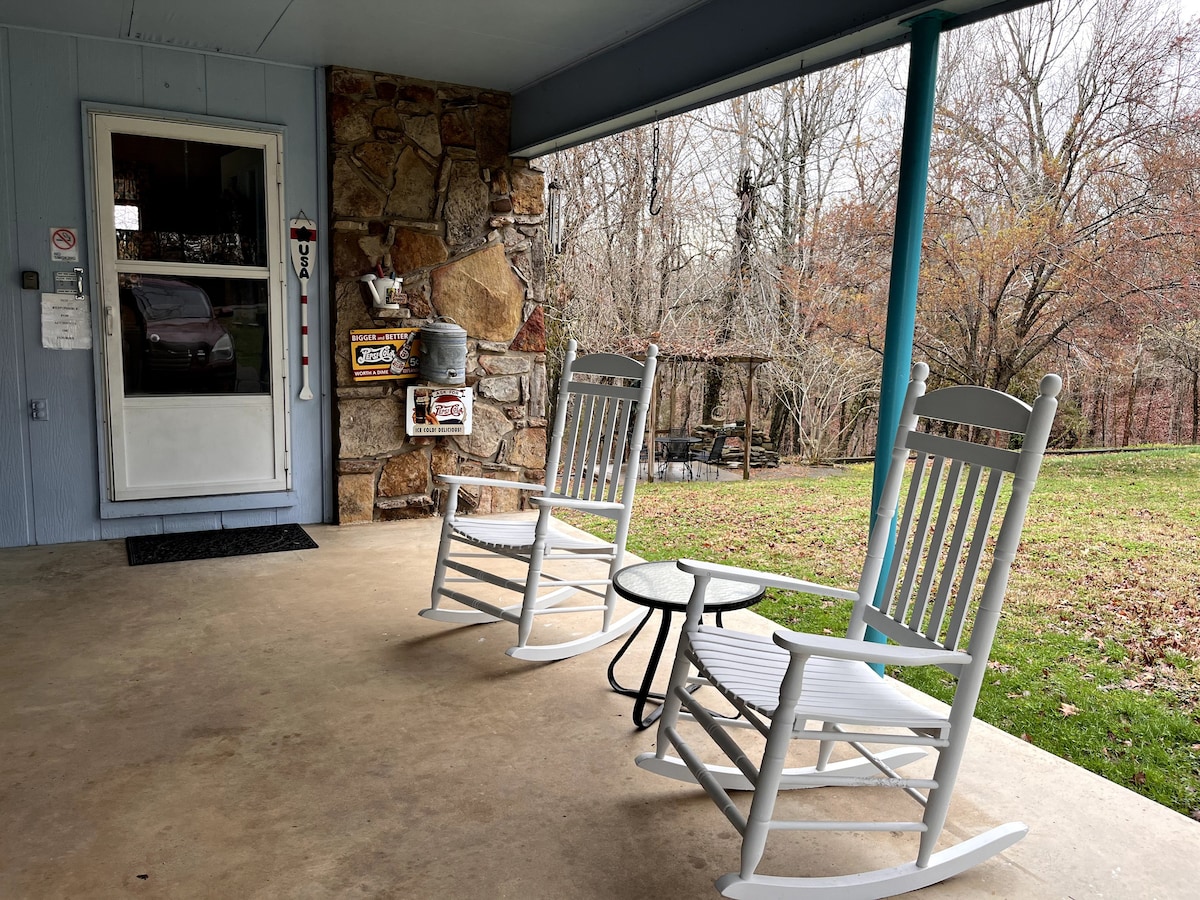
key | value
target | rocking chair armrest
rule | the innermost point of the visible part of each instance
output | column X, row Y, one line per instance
column 489, row 482
column 832, row 647
column 766, row 579
column 601, row 507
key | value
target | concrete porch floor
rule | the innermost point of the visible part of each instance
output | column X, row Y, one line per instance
column 286, row 726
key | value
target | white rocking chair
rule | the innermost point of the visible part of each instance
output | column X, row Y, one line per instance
column 930, row 603
column 602, row 405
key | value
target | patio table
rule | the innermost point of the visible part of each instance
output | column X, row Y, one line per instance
column 676, row 450
column 662, row 586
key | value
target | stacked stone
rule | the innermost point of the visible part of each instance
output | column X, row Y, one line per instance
column 423, row 186
column 763, row 453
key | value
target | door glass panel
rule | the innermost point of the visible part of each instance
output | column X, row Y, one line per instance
column 189, row 201
column 190, row 335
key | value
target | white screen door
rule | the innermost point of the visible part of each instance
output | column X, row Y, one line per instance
column 192, row 307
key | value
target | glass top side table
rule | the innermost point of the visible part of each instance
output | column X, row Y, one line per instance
column 662, row 586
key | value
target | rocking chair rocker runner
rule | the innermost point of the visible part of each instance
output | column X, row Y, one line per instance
column 601, row 416
column 930, row 604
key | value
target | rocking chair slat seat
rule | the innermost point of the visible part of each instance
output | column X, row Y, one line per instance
column 591, row 468
column 751, row 667
column 519, row 535
column 932, row 586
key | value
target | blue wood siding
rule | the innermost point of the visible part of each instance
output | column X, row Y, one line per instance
column 50, row 479
column 16, row 491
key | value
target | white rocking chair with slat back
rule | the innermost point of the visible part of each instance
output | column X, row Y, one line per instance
column 939, row 593
column 597, row 436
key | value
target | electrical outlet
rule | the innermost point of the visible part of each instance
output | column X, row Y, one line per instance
column 39, row 410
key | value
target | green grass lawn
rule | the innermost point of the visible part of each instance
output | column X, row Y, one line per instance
column 1098, row 654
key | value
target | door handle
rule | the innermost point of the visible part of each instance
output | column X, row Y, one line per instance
column 108, row 320
column 78, row 283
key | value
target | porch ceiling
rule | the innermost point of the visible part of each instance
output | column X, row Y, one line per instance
column 577, row 69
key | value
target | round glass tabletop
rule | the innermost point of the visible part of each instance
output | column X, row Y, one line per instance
column 662, row 585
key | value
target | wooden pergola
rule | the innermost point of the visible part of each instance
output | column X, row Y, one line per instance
column 685, row 352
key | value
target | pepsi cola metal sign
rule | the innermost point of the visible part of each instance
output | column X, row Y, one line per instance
column 432, row 411
column 385, row 355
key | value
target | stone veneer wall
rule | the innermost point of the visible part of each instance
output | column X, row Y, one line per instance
column 421, row 179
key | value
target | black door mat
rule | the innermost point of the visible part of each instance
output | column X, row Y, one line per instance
column 160, row 548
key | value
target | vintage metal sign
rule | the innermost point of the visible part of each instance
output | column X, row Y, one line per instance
column 436, row 410
column 385, row 355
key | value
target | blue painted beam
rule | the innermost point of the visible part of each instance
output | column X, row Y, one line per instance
column 715, row 50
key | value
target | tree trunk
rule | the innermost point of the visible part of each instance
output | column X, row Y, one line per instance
column 1129, row 407
column 1196, row 407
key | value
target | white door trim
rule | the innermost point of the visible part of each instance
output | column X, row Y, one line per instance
column 141, row 430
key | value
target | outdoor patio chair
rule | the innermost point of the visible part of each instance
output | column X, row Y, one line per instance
column 595, row 442
column 675, row 453
column 943, row 590
column 711, row 458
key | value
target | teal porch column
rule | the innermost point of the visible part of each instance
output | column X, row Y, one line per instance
column 906, row 251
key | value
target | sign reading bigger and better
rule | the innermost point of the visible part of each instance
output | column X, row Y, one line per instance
column 385, row 355
column 436, row 410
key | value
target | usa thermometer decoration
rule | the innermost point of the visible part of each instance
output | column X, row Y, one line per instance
column 304, row 246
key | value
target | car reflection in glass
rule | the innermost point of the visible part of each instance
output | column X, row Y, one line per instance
column 172, row 339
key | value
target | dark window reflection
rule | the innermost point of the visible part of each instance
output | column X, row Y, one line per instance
column 189, row 201
column 194, row 335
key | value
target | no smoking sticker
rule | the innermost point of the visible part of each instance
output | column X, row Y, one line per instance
column 64, row 245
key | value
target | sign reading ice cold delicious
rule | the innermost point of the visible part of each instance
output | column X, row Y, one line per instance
column 384, row 355
column 435, row 410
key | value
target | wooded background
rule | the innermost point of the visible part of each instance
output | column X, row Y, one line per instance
column 1061, row 232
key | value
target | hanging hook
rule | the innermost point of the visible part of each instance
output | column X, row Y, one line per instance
column 654, row 175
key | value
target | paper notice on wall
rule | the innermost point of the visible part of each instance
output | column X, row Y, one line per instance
column 66, row 322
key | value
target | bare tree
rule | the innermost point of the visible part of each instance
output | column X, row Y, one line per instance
column 1063, row 220
column 1177, row 346
column 624, row 273
column 1038, row 174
